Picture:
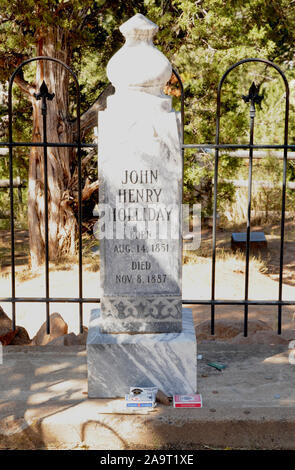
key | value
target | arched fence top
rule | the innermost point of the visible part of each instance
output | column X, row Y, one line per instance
column 253, row 59
column 245, row 61
column 51, row 59
column 219, row 89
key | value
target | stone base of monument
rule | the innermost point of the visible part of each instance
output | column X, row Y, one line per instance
column 117, row 362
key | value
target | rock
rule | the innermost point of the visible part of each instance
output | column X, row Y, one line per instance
column 80, row 339
column 59, row 341
column 83, row 336
column 226, row 330
column 21, row 337
column 58, row 327
column 288, row 334
column 162, row 398
column 5, row 323
column 8, row 336
column 70, row 339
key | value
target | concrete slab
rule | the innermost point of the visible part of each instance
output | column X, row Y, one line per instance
column 44, row 403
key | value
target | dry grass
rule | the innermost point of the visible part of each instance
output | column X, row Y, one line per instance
column 265, row 208
column 25, row 273
column 234, row 261
column 64, row 263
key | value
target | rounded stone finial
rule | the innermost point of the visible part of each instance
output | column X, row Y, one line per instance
column 139, row 27
column 139, row 65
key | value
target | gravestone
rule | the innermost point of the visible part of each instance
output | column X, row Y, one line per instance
column 257, row 241
column 141, row 336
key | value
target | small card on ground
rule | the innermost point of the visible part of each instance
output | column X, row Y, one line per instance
column 140, row 397
column 188, row 401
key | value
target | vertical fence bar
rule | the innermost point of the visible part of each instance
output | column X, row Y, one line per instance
column 182, row 145
column 213, row 274
column 213, row 281
column 248, row 235
column 12, row 238
column 283, row 207
column 46, row 218
column 282, row 243
column 80, row 214
column 44, row 95
column 253, row 98
column 181, row 117
column 182, row 142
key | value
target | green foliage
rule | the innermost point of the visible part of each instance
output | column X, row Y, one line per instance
column 201, row 38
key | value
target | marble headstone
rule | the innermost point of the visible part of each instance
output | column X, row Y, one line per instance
column 138, row 332
column 140, row 169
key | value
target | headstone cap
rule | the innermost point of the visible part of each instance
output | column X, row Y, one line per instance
column 139, row 67
column 139, row 27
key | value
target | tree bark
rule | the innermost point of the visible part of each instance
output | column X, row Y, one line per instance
column 61, row 162
column 61, row 218
column 89, row 118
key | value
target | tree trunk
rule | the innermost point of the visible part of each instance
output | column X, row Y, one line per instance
column 62, row 171
column 61, row 218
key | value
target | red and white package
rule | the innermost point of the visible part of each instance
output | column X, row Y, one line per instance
column 188, row 401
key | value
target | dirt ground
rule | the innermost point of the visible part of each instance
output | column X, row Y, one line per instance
column 230, row 272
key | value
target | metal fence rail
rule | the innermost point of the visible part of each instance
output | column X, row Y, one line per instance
column 252, row 98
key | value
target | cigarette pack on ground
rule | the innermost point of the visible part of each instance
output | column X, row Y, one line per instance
column 187, row 401
column 140, row 397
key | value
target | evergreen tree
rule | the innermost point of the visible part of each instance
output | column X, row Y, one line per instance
column 68, row 30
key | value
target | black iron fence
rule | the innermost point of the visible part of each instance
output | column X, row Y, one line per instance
column 252, row 98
